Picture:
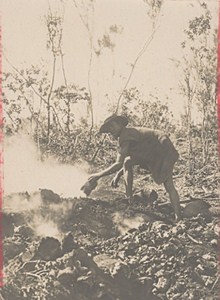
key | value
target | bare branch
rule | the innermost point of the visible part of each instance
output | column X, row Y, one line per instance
column 142, row 51
column 83, row 21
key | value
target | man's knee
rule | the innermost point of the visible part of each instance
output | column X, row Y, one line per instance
column 127, row 163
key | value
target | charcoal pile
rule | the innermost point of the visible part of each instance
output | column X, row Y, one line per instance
column 180, row 260
column 101, row 250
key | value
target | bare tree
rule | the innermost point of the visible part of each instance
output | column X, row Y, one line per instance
column 85, row 8
column 54, row 29
column 200, row 77
column 188, row 88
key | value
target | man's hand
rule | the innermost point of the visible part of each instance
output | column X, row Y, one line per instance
column 115, row 181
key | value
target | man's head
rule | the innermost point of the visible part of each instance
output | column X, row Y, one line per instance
column 114, row 124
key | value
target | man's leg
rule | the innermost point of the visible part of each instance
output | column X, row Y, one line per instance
column 128, row 176
column 174, row 197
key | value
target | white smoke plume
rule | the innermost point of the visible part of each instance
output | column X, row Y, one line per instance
column 24, row 171
column 43, row 227
column 124, row 224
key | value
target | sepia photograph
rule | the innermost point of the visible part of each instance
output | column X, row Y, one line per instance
column 109, row 153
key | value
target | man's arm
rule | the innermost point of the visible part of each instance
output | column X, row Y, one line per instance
column 110, row 170
column 117, row 177
column 118, row 165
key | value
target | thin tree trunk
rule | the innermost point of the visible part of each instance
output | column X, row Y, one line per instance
column 90, row 93
column 68, row 99
column 49, row 98
column 189, row 122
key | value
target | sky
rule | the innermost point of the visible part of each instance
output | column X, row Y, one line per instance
column 25, row 38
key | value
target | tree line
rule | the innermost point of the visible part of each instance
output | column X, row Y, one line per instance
column 32, row 102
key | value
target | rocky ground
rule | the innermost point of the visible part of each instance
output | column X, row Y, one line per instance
column 90, row 249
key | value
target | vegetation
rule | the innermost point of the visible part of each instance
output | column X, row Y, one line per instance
column 32, row 103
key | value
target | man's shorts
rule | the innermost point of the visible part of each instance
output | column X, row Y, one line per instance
column 166, row 155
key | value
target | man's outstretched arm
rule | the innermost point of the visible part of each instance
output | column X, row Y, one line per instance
column 118, row 165
column 108, row 171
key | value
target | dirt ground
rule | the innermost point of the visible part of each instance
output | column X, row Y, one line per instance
column 102, row 248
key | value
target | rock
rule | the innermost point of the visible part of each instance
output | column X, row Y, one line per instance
column 180, row 286
column 209, row 234
column 163, row 284
column 13, row 249
column 67, row 276
column 68, row 243
column 18, row 219
column 130, row 248
column 49, row 197
column 196, row 207
column 197, row 278
column 214, row 242
column 49, row 249
column 7, row 225
column 147, row 282
column 170, row 249
column 217, row 229
column 159, row 226
column 120, row 271
column 105, row 262
column 24, row 231
column 27, row 256
column 146, row 197
column 153, row 196
column 210, row 268
column 142, row 290
column 67, row 260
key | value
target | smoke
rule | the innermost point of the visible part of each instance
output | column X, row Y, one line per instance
column 45, row 219
column 25, row 174
column 43, row 227
column 24, row 171
column 22, row 202
column 124, row 224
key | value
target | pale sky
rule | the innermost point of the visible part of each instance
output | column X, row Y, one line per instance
column 24, row 43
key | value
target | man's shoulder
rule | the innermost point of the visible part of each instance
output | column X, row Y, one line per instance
column 129, row 134
column 137, row 134
column 142, row 131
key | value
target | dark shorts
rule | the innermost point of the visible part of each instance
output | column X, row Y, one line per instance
column 166, row 156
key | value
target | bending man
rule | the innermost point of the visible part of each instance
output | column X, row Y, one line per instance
column 150, row 149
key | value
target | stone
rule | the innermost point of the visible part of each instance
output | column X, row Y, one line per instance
column 7, row 225
column 196, row 207
column 49, row 249
column 49, row 197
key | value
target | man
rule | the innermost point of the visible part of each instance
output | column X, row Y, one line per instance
column 150, row 149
